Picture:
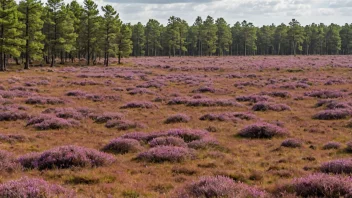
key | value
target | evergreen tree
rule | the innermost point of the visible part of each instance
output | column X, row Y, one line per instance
column 77, row 11
column 152, row 31
column 111, row 24
column 124, row 42
column 10, row 32
column 224, row 36
column 346, row 38
column 249, row 37
column 32, row 11
column 333, row 39
column 236, row 31
column 296, row 35
column 138, row 39
column 209, row 36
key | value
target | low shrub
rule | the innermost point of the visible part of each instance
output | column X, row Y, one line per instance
column 33, row 188
column 166, row 153
column 292, row 143
column 340, row 166
column 188, row 135
column 333, row 114
column 324, row 94
column 203, row 143
column 66, row 157
column 105, row 117
column 262, row 130
column 218, row 186
column 212, row 103
column 253, row 98
column 204, row 90
column 46, row 122
column 142, row 105
column 44, row 100
column 265, row 106
column 167, row 141
column 122, row 146
column 178, row 118
column 332, row 145
column 8, row 162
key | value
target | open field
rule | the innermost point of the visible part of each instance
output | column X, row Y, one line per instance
column 263, row 121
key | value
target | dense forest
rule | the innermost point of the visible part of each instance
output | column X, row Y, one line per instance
column 57, row 33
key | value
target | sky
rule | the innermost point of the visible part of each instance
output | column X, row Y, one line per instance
column 259, row 12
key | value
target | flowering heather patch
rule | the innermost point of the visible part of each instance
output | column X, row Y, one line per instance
column 8, row 162
column 44, row 100
column 65, row 113
column 332, row 145
column 188, row 135
column 86, row 83
column 16, row 94
column 265, row 106
column 140, row 136
column 76, row 93
column 324, row 94
column 203, row 143
column 319, row 185
column 33, row 188
column 123, row 124
column 295, row 86
column 292, row 143
column 166, row 153
column 12, row 114
column 204, row 90
column 218, row 186
column 12, row 138
column 280, row 94
column 46, row 121
column 178, row 100
column 122, row 146
column 177, row 119
column 325, row 102
column 262, row 130
column 99, row 97
column 142, row 105
column 212, row 103
column 235, row 116
column 24, row 89
column 333, row 114
column 151, row 84
column 136, row 91
column 107, row 116
column 335, row 82
column 253, row 98
column 167, row 141
column 66, row 157
column 340, row 166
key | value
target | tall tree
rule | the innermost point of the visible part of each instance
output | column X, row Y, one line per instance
column 77, row 11
column 296, row 35
column 152, row 31
column 111, row 24
column 346, row 38
column 280, row 37
column 10, row 32
column 90, row 23
column 249, row 37
column 224, row 36
column 32, row 11
column 124, row 42
column 333, row 39
column 209, row 36
column 236, row 32
column 138, row 39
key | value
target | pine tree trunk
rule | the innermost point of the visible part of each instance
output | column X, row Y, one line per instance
column 26, row 64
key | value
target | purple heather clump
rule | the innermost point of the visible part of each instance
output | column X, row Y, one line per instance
column 8, row 162
column 292, row 143
column 340, row 166
column 136, row 91
column 265, row 106
column 262, row 130
column 105, row 117
column 12, row 114
column 122, row 146
column 151, row 84
column 339, row 105
column 335, row 82
column 140, row 136
column 44, row 100
column 123, row 124
column 295, row 86
column 333, row 114
column 212, row 103
column 76, row 93
column 332, row 145
column 86, row 83
column 12, row 138
column 67, row 157
column 33, row 188
column 218, row 186
column 325, row 94
column 325, row 102
column 16, row 94
column 204, row 90
column 178, row 100
column 166, row 153
column 178, row 118
column 142, row 105
column 204, row 143
column 167, row 141
column 280, row 94
column 29, row 160
column 65, row 113
column 319, row 185
column 46, row 122
column 253, row 98
column 235, row 116
column 188, row 135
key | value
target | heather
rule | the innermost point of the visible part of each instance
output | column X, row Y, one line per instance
column 265, row 106
column 47, row 122
column 33, row 188
column 292, row 143
column 166, row 154
column 262, row 130
column 8, row 162
column 122, row 146
column 66, row 157
column 218, row 186
column 340, row 166
column 177, row 119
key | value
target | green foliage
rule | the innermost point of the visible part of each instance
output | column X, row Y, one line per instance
column 224, row 36
column 152, row 31
column 124, row 41
column 138, row 39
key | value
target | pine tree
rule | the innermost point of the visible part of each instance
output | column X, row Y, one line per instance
column 296, row 35
column 224, row 36
column 124, row 42
column 32, row 11
column 111, row 24
column 77, row 11
column 10, row 32
column 249, row 37
column 138, row 39
column 209, row 36
column 152, row 31
column 90, row 26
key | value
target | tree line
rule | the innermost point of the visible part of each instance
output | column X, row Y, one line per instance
column 57, row 33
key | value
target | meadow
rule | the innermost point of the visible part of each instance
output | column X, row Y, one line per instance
column 256, row 126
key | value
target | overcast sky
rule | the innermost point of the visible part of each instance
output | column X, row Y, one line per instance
column 260, row 12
